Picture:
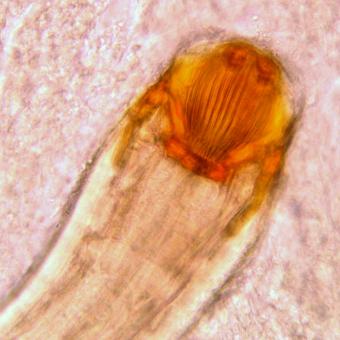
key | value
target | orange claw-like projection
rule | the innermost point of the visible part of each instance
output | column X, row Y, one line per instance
column 227, row 108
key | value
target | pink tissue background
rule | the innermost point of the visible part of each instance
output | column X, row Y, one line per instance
column 69, row 68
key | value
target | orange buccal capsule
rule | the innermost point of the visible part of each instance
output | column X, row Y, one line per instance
column 225, row 108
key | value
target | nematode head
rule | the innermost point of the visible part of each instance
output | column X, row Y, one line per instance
column 226, row 107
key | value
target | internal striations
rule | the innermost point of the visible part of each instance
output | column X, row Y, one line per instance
column 229, row 103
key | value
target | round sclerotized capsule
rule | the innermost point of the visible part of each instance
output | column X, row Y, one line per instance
column 226, row 107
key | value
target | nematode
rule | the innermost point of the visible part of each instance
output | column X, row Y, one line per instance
column 170, row 209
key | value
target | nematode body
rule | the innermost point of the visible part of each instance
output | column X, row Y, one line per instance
column 170, row 209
